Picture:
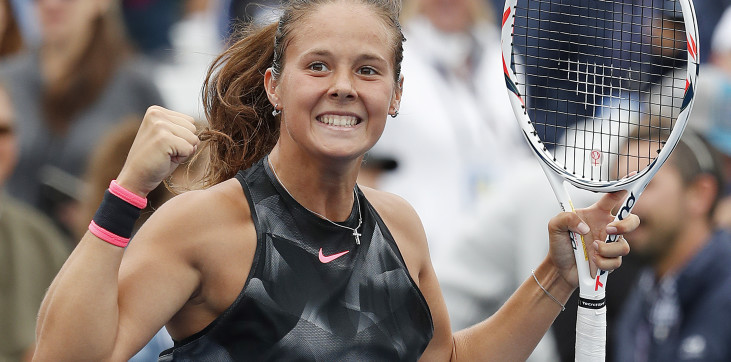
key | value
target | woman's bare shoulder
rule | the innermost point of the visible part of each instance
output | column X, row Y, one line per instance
column 404, row 224
column 391, row 207
column 214, row 202
column 199, row 214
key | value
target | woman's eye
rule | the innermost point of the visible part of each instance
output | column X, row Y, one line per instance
column 367, row 71
column 318, row 67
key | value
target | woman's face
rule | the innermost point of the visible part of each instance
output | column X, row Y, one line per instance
column 65, row 20
column 337, row 85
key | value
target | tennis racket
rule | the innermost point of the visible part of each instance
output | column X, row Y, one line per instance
column 582, row 77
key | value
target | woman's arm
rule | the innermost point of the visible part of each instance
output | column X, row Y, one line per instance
column 94, row 312
column 89, row 312
column 512, row 333
column 515, row 329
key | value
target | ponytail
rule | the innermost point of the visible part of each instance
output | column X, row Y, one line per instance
column 241, row 128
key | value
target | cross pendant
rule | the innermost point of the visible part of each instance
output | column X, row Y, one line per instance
column 357, row 237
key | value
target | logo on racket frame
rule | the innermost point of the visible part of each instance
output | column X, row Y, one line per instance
column 624, row 212
column 596, row 157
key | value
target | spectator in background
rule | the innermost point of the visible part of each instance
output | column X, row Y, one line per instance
column 32, row 251
column 68, row 92
column 455, row 122
column 678, row 310
column 11, row 40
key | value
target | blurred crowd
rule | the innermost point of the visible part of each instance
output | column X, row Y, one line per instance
column 76, row 76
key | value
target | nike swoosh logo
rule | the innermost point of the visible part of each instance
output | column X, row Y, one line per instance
column 326, row 259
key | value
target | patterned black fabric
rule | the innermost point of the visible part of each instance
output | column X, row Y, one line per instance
column 363, row 305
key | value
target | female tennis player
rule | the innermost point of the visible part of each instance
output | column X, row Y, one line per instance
column 283, row 256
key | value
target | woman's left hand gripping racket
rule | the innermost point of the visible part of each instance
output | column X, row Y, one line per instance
column 588, row 80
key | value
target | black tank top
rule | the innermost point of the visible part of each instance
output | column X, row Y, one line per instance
column 312, row 294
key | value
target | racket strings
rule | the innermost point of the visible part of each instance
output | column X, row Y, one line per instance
column 626, row 76
column 593, row 72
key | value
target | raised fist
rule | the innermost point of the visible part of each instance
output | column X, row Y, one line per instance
column 165, row 140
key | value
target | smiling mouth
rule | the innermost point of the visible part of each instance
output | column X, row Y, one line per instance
column 338, row 121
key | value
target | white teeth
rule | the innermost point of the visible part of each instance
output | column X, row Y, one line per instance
column 340, row 121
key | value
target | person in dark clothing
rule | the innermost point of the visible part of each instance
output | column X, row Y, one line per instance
column 290, row 259
column 678, row 308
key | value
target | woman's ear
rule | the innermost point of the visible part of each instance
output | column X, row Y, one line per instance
column 270, row 84
column 396, row 100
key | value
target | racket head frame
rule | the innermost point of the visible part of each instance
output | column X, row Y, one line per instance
column 518, row 103
column 591, row 318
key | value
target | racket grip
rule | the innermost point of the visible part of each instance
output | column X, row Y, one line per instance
column 591, row 332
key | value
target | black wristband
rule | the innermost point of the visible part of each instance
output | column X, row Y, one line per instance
column 116, row 215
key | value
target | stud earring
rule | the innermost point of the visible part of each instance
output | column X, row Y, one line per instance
column 276, row 111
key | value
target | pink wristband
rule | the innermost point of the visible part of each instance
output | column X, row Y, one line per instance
column 107, row 235
column 126, row 195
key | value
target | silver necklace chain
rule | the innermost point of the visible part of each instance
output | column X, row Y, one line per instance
column 356, row 234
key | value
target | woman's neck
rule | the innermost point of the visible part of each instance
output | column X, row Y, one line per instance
column 325, row 190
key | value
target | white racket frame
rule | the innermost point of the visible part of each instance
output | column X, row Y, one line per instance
column 591, row 315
